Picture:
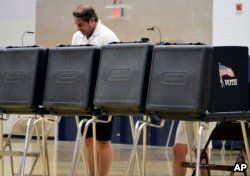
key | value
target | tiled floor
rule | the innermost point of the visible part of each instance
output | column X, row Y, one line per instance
column 159, row 160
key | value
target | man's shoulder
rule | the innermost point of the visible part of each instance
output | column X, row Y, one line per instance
column 105, row 30
column 107, row 34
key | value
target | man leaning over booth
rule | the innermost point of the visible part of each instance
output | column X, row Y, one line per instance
column 91, row 31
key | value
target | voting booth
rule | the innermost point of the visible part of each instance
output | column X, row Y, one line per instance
column 70, row 81
column 229, row 88
column 122, row 79
column 179, row 83
column 22, row 76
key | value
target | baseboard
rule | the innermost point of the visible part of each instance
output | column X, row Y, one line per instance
column 17, row 136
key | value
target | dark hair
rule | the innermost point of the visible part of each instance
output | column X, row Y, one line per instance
column 85, row 12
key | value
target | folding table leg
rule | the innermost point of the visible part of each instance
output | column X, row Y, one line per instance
column 144, row 146
column 170, row 133
column 243, row 128
column 94, row 145
column 133, row 137
column 27, row 139
column 138, row 128
column 93, row 121
column 8, row 141
column 1, row 144
column 188, row 142
column 56, row 132
column 74, row 160
column 198, row 150
column 167, row 145
column 82, row 152
column 78, row 143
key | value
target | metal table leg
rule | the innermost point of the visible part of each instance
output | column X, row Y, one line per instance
column 170, row 133
column 132, row 126
column 243, row 128
column 27, row 139
column 94, row 145
column 78, row 147
column 188, row 142
column 198, row 150
column 1, row 145
column 138, row 128
column 30, row 124
column 79, row 127
column 75, row 155
column 43, row 146
column 167, row 145
column 8, row 141
column 93, row 121
column 57, row 119
column 144, row 146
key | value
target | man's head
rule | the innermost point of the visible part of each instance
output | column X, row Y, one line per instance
column 85, row 19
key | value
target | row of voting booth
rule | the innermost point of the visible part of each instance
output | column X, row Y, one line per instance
column 190, row 82
column 130, row 78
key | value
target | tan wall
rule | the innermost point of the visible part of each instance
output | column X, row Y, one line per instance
column 179, row 20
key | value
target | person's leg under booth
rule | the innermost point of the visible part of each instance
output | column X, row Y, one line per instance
column 180, row 149
column 104, row 148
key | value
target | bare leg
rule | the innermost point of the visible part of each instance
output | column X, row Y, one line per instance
column 180, row 152
column 89, row 145
column 105, row 156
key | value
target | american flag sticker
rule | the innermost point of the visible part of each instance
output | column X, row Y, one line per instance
column 225, row 71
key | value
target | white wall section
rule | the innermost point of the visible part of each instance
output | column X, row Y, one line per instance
column 16, row 17
column 229, row 26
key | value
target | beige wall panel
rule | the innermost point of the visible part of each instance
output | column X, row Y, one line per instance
column 179, row 20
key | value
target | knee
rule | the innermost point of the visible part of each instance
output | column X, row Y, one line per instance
column 180, row 151
column 104, row 145
column 89, row 143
